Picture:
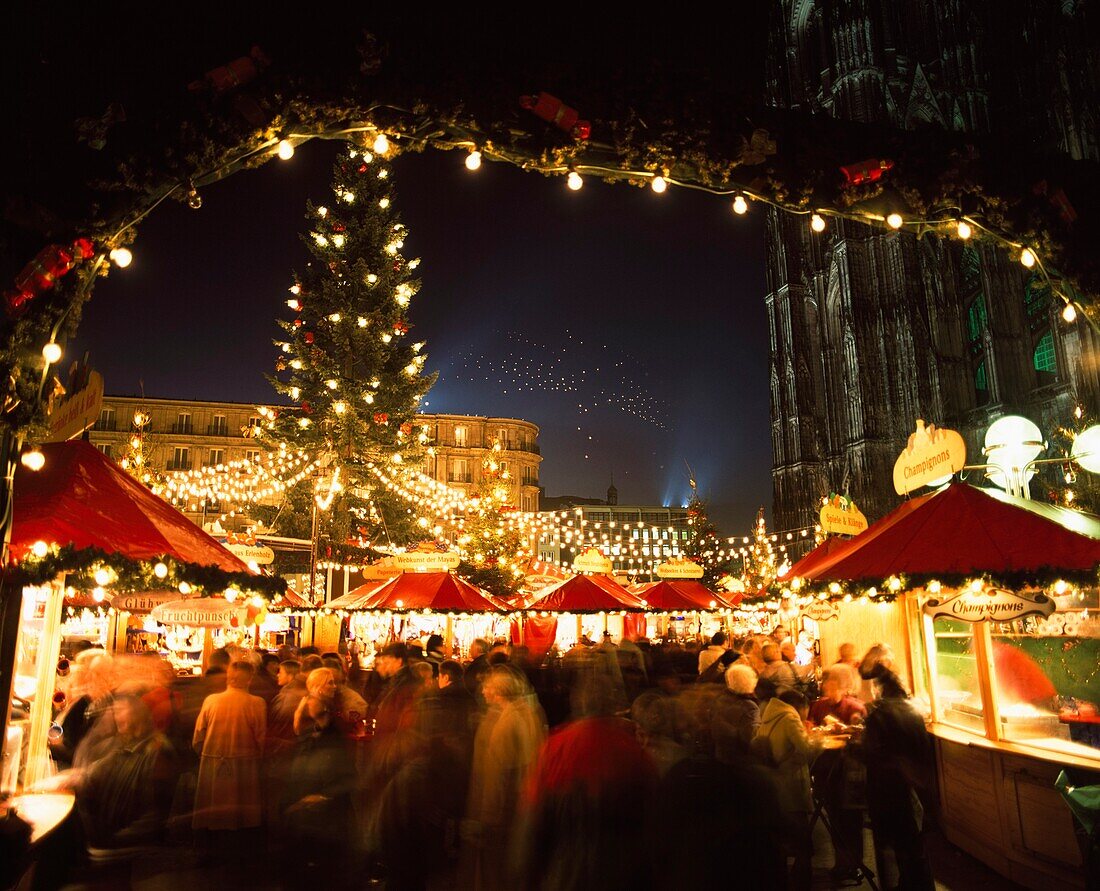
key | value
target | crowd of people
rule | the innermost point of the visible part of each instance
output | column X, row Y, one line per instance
column 618, row 765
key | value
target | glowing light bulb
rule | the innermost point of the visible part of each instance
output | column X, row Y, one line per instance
column 383, row 203
column 296, row 364
column 339, row 407
column 740, row 205
column 963, row 230
column 658, row 184
column 231, row 594
column 102, row 577
column 381, row 144
column 51, row 352
column 335, row 317
column 1069, row 313
column 303, row 423
column 473, row 160
column 160, row 570
column 371, row 278
column 33, row 460
column 1027, row 257
column 121, row 257
column 295, row 393
column 361, row 322
column 894, row 221
column 40, row 549
column 574, row 180
column 98, row 594
column 817, row 223
column 397, row 459
column 285, row 149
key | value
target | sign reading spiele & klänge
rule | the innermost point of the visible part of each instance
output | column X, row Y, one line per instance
column 989, row 605
column 840, row 516
column 932, row 454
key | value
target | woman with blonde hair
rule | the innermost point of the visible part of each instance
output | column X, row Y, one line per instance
column 321, row 690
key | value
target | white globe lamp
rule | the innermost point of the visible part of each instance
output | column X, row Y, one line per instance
column 1086, row 449
column 1011, row 443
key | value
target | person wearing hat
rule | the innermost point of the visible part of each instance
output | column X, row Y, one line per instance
column 394, row 710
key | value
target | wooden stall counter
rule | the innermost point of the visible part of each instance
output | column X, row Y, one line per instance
column 999, row 804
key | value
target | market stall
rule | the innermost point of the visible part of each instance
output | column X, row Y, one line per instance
column 82, row 525
column 682, row 608
column 990, row 602
column 416, row 604
column 585, row 606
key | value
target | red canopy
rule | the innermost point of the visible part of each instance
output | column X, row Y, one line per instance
column 961, row 529
column 586, row 594
column 356, row 597
column 291, row 599
column 688, row 595
column 82, row 498
column 437, row 591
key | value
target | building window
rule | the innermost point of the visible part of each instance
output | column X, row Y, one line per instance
column 1044, row 359
column 181, row 458
column 255, row 421
column 252, row 455
column 217, row 456
column 105, row 448
column 106, row 420
column 460, row 437
column 460, row 471
column 219, row 426
column 981, row 384
column 183, row 422
column 977, row 319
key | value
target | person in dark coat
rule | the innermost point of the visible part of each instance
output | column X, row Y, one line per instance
column 899, row 765
column 735, row 716
column 394, row 709
column 317, row 802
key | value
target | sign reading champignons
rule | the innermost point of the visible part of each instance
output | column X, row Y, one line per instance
column 820, row 611
column 989, row 605
column 592, row 560
column 679, row 568
column 932, row 454
column 840, row 516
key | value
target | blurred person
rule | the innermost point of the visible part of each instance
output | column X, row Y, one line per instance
column 805, row 651
column 899, row 761
column 657, row 723
column 311, row 661
column 505, row 746
column 266, row 682
column 750, row 653
column 351, row 709
column 433, row 652
column 836, row 701
column 724, row 824
column 781, row 741
column 777, row 669
column 715, row 649
column 317, row 798
column 736, row 715
column 124, row 797
column 394, row 709
column 590, row 785
column 88, row 689
column 476, row 668
column 229, row 737
column 847, row 659
column 779, row 634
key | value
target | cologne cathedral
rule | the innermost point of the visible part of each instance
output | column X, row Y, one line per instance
column 870, row 331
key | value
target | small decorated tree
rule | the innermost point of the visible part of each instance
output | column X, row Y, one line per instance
column 1068, row 485
column 494, row 553
column 760, row 566
column 704, row 546
column 348, row 365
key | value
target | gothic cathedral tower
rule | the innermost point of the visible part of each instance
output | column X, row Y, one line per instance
column 870, row 331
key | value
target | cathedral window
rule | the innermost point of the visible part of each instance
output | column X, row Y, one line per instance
column 981, row 384
column 977, row 320
column 1046, row 363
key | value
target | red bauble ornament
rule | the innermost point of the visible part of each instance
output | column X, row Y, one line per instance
column 338, row 227
column 868, row 171
column 298, row 322
column 401, row 327
column 306, row 409
column 48, row 265
column 406, row 428
column 380, row 417
column 309, row 337
column 362, row 168
column 239, row 71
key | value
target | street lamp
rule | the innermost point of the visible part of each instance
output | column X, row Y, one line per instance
column 1013, row 445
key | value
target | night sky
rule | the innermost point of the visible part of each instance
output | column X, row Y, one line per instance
column 629, row 326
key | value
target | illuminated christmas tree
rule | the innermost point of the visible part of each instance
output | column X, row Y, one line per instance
column 1068, row 485
column 494, row 553
column 353, row 374
column 135, row 455
column 760, row 566
column 703, row 545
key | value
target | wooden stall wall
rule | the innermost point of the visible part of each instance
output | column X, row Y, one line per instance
column 865, row 624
